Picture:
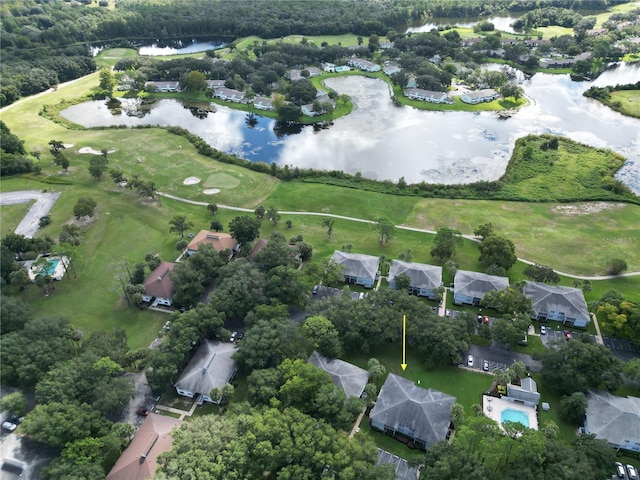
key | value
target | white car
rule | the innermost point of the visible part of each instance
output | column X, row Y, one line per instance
column 543, row 330
column 620, row 470
column 9, row 426
column 632, row 472
column 470, row 361
column 233, row 337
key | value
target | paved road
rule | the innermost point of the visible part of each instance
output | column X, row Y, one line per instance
column 499, row 358
column 401, row 227
column 43, row 204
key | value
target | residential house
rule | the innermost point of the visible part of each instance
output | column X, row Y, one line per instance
column 485, row 95
column 508, row 41
column 160, row 86
column 211, row 367
column 386, row 45
column 348, row 377
column 469, row 42
column 158, row 286
column 411, row 82
column 390, row 68
column 535, row 42
column 614, row 419
column 427, row 95
column 401, row 468
column 364, row 65
column 219, row 241
column 471, row 287
column 596, row 32
column 562, row 304
column 140, row 459
column 229, row 94
column 406, row 410
column 263, row 103
column 526, row 392
column 424, row 278
column 213, row 84
column 329, row 67
column 357, row 268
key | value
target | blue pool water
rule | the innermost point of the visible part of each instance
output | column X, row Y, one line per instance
column 51, row 267
column 510, row 415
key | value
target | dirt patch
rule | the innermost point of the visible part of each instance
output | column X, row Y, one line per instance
column 191, row 181
column 82, row 222
column 585, row 208
column 211, row 191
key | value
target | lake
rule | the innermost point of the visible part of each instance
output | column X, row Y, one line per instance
column 179, row 46
column 500, row 23
column 383, row 141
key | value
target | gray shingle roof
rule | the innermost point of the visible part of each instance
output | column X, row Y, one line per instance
column 476, row 284
column 549, row 298
column 426, row 412
column 614, row 419
column 345, row 375
column 401, row 467
column 356, row 264
column 421, row 274
column 211, row 366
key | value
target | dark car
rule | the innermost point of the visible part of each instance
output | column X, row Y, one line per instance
column 143, row 411
column 567, row 335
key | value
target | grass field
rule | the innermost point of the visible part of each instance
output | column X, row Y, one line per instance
column 629, row 102
column 127, row 228
column 11, row 216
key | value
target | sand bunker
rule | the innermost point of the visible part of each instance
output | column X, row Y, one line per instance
column 211, row 191
column 191, row 181
column 586, row 208
column 92, row 151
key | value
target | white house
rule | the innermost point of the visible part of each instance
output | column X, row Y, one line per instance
column 229, row 94
column 364, row 65
column 485, row 95
column 390, row 68
column 263, row 103
column 427, row 95
column 172, row 86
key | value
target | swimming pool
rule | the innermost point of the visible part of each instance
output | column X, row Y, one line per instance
column 51, row 266
column 511, row 415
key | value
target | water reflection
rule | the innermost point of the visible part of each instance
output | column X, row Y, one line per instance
column 500, row 23
column 178, row 47
column 383, row 141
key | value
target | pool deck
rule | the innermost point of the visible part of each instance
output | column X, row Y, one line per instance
column 493, row 407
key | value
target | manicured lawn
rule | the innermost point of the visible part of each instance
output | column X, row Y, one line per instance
column 567, row 431
column 11, row 216
column 629, row 101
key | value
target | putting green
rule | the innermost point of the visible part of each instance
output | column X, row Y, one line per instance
column 221, row 180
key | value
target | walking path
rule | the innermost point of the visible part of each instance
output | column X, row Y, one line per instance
column 599, row 340
column 401, row 227
column 356, row 426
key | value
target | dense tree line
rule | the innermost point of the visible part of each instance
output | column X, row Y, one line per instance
column 13, row 156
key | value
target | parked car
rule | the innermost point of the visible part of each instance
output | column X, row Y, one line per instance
column 447, row 313
column 485, row 319
column 543, row 330
column 567, row 335
column 479, row 318
column 485, row 365
column 143, row 411
column 9, row 426
column 240, row 336
column 620, row 470
column 470, row 361
column 315, row 289
column 631, row 472
column 234, row 335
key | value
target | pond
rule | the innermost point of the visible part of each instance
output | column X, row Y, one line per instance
column 500, row 23
column 179, row 46
column 383, row 141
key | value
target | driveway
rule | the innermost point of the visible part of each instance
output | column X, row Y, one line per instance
column 44, row 201
column 499, row 358
column 142, row 398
